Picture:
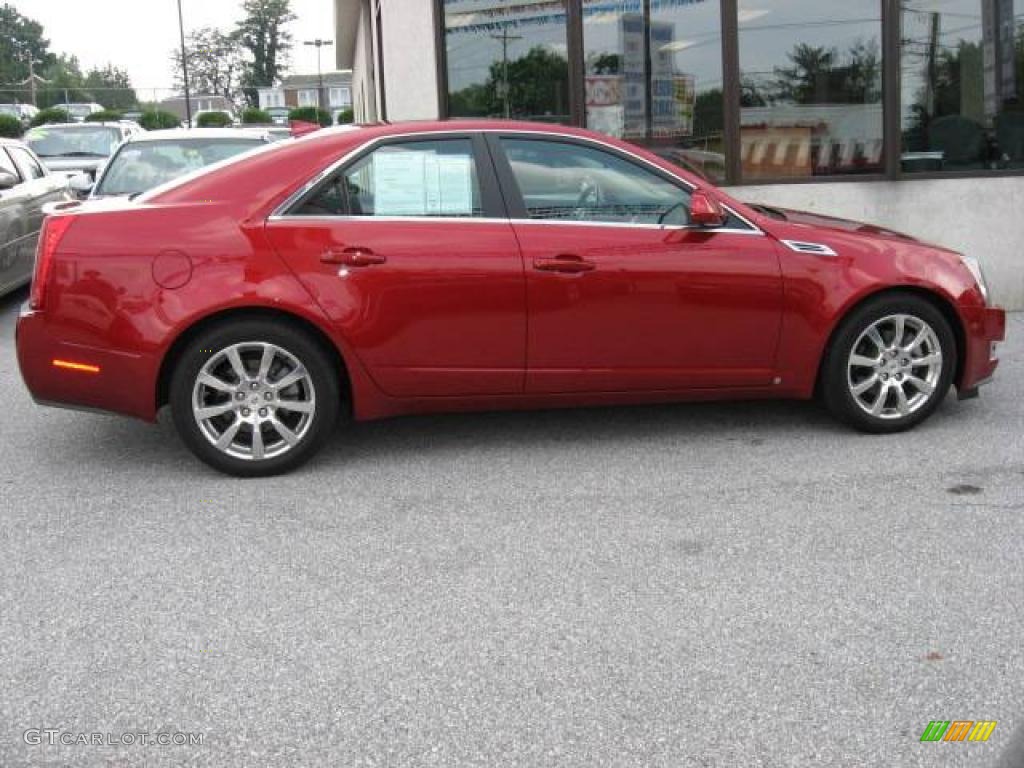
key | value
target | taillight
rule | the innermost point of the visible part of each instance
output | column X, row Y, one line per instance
column 53, row 231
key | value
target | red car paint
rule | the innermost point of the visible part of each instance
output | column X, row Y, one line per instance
column 466, row 314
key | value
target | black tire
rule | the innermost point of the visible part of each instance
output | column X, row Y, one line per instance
column 837, row 383
column 322, row 385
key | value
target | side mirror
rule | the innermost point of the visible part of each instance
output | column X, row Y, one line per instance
column 8, row 180
column 81, row 184
column 705, row 211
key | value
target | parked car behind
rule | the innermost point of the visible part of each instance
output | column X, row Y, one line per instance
column 24, row 112
column 25, row 187
column 147, row 160
column 81, row 111
column 77, row 149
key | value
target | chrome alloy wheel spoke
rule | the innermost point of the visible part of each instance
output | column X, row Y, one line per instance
column 237, row 403
column 894, row 367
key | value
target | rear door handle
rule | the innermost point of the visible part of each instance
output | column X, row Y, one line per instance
column 568, row 263
column 352, row 257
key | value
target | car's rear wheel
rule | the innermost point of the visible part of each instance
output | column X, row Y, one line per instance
column 890, row 364
column 255, row 397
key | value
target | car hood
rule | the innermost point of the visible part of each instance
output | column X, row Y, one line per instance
column 808, row 227
column 74, row 164
column 821, row 221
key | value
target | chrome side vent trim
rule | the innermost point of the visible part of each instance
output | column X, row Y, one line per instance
column 816, row 249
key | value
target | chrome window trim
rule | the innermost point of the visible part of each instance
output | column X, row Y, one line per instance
column 513, row 222
column 280, row 213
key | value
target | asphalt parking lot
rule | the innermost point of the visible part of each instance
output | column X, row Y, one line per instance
column 705, row 585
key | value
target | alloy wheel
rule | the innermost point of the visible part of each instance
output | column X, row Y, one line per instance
column 895, row 366
column 254, row 401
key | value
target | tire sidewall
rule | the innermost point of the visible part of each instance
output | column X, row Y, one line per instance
column 835, row 388
column 298, row 343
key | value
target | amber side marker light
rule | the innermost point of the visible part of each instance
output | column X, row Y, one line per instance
column 70, row 366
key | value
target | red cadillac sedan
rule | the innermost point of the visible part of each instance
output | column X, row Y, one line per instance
column 479, row 265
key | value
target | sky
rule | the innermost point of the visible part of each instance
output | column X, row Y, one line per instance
column 139, row 35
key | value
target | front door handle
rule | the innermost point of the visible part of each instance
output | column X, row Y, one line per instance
column 352, row 257
column 566, row 262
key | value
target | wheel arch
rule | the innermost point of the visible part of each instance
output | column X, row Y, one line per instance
column 234, row 314
column 938, row 300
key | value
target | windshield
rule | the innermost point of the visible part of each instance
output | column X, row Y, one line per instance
column 10, row 109
column 60, row 141
column 143, row 165
column 80, row 110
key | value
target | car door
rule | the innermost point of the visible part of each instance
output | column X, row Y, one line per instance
column 622, row 293
column 13, row 223
column 37, row 188
column 21, row 213
column 408, row 250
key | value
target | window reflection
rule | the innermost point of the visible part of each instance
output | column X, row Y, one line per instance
column 961, row 105
column 614, row 60
column 686, row 85
column 507, row 58
column 675, row 102
column 811, row 88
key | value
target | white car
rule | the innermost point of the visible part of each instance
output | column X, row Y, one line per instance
column 147, row 160
column 78, row 150
column 81, row 111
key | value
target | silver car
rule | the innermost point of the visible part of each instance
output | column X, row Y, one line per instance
column 79, row 149
column 25, row 187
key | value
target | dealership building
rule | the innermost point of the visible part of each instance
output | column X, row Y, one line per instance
column 904, row 113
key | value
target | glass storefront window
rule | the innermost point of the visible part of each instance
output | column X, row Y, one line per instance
column 811, row 88
column 687, row 116
column 961, row 64
column 614, row 66
column 507, row 58
column 674, row 105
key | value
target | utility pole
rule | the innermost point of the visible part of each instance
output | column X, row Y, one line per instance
column 32, row 78
column 934, row 23
column 184, row 67
column 318, row 43
column 506, row 89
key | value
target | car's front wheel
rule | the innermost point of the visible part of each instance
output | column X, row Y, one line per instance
column 890, row 364
column 255, row 397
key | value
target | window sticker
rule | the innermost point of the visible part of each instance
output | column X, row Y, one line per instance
column 410, row 183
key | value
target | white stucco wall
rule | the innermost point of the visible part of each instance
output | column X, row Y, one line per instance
column 410, row 63
column 983, row 217
column 364, row 101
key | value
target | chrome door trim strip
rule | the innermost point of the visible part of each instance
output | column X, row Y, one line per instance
column 513, row 222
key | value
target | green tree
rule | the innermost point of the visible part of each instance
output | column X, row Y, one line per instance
column 10, row 127
column 607, row 64
column 819, row 75
column 158, row 119
column 263, row 34
column 111, row 87
column 107, row 115
column 214, row 120
column 346, row 116
column 538, row 86
column 51, row 115
column 214, row 64
column 709, row 113
column 254, row 116
column 21, row 38
column 65, row 84
column 311, row 115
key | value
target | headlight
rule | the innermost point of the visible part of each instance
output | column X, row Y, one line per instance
column 974, row 267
